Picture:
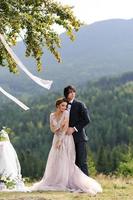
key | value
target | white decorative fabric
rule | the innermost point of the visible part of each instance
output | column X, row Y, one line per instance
column 14, row 99
column 44, row 83
column 10, row 166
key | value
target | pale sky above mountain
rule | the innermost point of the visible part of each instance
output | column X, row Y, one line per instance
column 91, row 11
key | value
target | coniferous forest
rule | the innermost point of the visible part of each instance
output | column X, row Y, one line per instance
column 110, row 133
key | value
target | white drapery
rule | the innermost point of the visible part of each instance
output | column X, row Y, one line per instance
column 44, row 83
column 22, row 105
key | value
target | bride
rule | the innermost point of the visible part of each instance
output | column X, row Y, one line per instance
column 61, row 172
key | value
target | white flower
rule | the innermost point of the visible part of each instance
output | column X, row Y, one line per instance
column 3, row 135
column 8, row 181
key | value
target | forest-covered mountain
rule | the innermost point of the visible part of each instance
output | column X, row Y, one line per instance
column 110, row 103
column 101, row 49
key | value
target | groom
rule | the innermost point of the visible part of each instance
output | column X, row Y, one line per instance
column 79, row 118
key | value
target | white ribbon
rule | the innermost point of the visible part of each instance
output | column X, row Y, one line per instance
column 14, row 99
column 44, row 83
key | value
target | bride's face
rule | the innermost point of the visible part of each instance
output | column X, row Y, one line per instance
column 62, row 107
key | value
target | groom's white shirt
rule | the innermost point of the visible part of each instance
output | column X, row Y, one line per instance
column 69, row 105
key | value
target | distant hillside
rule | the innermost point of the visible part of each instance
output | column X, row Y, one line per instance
column 101, row 49
column 110, row 104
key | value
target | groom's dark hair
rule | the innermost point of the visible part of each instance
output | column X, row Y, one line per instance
column 68, row 89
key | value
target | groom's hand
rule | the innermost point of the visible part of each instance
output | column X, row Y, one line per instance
column 70, row 131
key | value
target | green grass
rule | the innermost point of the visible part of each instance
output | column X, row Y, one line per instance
column 113, row 189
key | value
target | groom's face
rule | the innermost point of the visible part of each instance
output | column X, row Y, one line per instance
column 71, row 95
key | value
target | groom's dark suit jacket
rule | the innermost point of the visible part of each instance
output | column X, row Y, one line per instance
column 79, row 118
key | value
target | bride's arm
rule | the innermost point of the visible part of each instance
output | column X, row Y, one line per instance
column 63, row 128
column 65, row 123
column 53, row 124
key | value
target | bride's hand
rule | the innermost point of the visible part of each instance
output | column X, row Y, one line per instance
column 57, row 130
column 58, row 144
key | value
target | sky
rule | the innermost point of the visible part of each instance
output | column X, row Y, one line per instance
column 90, row 11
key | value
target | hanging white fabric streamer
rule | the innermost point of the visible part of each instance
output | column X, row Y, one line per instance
column 44, row 83
column 14, row 99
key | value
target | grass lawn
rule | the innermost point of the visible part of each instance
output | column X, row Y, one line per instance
column 113, row 189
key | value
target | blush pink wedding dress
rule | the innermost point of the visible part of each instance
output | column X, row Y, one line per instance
column 61, row 173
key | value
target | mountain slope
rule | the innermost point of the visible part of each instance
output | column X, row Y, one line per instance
column 101, row 49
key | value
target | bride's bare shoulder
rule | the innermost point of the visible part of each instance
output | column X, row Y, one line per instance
column 66, row 113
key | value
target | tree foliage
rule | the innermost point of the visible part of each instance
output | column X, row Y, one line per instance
column 35, row 18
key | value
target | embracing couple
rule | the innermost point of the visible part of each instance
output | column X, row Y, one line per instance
column 66, row 168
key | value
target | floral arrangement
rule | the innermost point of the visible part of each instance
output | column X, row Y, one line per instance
column 6, row 182
column 4, row 134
